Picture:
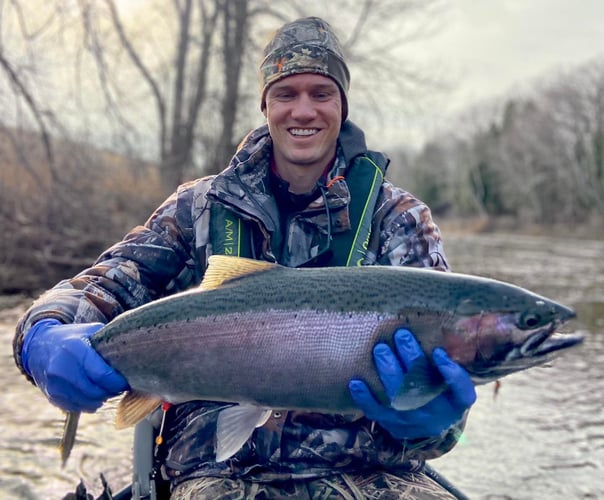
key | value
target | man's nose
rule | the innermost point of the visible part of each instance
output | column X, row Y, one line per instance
column 303, row 108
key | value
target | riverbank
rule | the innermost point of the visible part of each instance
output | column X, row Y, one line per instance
column 592, row 229
column 19, row 284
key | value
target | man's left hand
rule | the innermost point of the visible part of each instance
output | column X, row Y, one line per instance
column 430, row 420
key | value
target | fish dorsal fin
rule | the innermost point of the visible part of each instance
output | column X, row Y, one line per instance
column 223, row 268
column 133, row 407
column 234, row 427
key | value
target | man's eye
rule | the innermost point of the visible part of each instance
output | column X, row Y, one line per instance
column 323, row 96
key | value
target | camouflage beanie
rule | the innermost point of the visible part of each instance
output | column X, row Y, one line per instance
column 307, row 45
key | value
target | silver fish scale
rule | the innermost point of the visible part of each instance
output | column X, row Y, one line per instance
column 278, row 359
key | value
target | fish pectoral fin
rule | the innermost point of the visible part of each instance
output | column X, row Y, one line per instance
column 222, row 268
column 133, row 407
column 234, row 427
column 421, row 384
column 69, row 435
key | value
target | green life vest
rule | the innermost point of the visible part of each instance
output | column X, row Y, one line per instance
column 232, row 236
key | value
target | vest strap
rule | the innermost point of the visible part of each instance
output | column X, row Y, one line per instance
column 364, row 180
column 228, row 233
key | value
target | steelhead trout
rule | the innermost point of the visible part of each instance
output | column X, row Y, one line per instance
column 268, row 337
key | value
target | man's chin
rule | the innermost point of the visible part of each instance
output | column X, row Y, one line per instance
column 303, row 159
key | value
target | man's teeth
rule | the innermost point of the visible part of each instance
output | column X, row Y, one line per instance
column 303, row 131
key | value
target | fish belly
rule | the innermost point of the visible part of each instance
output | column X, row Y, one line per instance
column 277, row 359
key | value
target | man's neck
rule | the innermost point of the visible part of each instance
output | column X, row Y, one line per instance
column 300, row 182
column 301, row 179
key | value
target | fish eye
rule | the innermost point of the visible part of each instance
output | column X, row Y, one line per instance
column 529, row 320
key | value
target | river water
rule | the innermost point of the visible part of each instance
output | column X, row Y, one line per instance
column 541, row 437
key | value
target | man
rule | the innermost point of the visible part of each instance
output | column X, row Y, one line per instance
column 294, row 186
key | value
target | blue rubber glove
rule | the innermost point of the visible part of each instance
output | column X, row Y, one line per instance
column 66, row 368
column 431, row 419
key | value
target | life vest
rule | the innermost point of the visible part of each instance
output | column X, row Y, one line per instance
column 230, row 235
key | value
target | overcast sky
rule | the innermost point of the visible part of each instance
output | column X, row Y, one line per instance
column 490, row 48
column 493, row 45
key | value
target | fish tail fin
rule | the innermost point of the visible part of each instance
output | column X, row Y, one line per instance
column 235, row 425
column 70, row 428
column 133, row 407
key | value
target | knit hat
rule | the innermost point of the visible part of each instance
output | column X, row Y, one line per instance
column 307, row 45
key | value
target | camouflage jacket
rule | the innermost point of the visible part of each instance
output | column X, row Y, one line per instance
column 169, row 254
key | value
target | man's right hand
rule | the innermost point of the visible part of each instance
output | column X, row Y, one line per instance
column 67, row 369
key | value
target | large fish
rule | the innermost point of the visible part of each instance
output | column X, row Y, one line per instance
column 269, row 337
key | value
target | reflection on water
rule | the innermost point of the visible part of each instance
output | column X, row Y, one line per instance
column 542, row 437
column 29, row 457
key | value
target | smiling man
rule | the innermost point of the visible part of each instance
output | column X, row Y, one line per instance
column 304, row 114
column 301, row 190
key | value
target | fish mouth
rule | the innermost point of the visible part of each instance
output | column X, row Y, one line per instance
column 540, row 346
column 544, row 342
column 552, row 343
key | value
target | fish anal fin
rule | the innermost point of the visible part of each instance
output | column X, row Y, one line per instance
column 133, row 407
column 234, row 427
column 223, row 268
column 421, row 384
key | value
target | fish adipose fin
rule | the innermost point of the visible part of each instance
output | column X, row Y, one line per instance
column 234, row 427
column 421, row 384
column 133, row 407
column 222, row 269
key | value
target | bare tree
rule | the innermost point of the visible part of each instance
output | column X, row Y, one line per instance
column 576, row 104
column 538, row 160
column 215, row 37
column 179, row 73
column 23, row 81
column 234, row 43
column 177, row 104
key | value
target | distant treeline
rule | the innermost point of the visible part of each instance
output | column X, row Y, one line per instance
column 537, row 159
column 56, row 219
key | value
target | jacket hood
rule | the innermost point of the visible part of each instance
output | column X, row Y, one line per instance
column 352, row 141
